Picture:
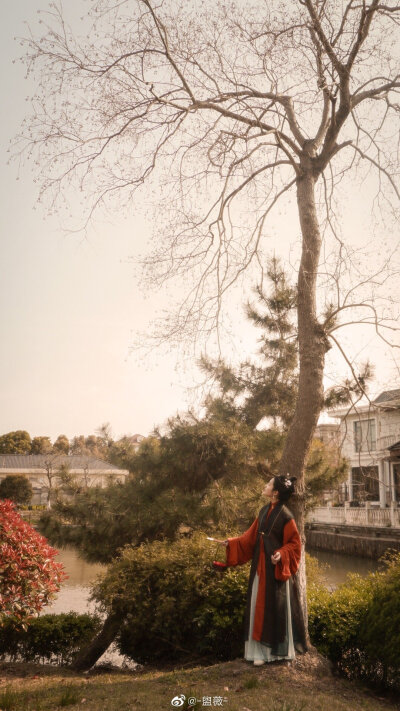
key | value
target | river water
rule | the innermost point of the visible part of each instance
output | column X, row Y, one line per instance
column 337, row 566
column 75, row 591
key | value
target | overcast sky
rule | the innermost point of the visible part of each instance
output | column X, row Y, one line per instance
column 71, row 307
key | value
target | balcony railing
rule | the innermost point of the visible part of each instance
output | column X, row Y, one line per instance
column 367, row 516
column 385, row 442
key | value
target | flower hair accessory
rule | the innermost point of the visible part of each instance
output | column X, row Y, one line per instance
column 287, row 481
column 284, row 484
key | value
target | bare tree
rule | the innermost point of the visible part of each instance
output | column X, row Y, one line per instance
column 230, row 107
column 51, row 476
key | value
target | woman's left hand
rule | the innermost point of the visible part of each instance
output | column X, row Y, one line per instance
column 275, row 558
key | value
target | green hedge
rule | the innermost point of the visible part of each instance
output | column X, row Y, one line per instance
column 380, row 632
column 358, row 625
column 49, row 638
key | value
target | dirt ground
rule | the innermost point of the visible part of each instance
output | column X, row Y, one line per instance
column 306, row 684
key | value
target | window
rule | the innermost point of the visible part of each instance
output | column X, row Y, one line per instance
column 396, row 476
column 365, row 436
column 365, row 483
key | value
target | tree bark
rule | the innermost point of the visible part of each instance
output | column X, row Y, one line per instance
column 313, row 344
column 89, row 655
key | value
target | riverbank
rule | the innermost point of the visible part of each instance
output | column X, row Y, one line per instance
column 365, row 541
column 307, row 684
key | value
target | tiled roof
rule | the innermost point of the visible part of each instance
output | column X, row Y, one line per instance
column 396, row 445
column 40, row 461
column 388, row 395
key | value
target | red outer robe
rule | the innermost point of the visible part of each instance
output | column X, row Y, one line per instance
column 240, row 550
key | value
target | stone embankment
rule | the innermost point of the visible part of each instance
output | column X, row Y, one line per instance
column 365, row 541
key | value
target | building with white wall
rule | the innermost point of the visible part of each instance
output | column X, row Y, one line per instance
column 135, row 440
column 370, row 441
column 328, row 433
column 42, row 470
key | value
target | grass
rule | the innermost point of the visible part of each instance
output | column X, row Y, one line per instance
column 69, row 697
column 8, row 699
column 251, row 683
column 237, row 686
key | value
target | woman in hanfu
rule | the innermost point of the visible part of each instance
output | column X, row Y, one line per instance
column 274, row 626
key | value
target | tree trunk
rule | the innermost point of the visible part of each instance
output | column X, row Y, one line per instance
column 90, row 654
column 313, row 345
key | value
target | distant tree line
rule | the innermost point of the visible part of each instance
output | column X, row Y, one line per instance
column 100, row 445
column 20, row 442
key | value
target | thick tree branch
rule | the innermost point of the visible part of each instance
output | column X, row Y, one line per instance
column 366, row 18
column 311, row 8
column 378, row 91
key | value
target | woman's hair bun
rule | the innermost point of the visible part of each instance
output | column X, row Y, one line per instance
column 284, row 485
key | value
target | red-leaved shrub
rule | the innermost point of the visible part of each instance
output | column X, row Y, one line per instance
column 29, row 575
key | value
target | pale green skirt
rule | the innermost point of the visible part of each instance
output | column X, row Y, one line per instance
column 254, row 650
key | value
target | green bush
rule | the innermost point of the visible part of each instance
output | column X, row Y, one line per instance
column 174, row 603
column 55, row 638
column 358, row 625
column 335, row 618
column 17, row 488
column 380, row 631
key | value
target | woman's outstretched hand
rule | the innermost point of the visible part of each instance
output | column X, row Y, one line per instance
column 223, row 543
column 217, row 540
column 275, row 558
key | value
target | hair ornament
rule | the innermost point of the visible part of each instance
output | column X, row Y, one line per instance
column 284, row 484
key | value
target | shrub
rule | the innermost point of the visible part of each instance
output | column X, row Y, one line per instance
column 174, row 604
column 17, row 488
column 380, row 630
column 358, row 625
column 29, row 576
column 52, row 638
column 315, row 572
column 335, row 618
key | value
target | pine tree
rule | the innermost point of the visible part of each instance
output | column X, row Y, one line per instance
column 266, row 387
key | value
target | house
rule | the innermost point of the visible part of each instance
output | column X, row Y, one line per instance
column 135, row 440
column 370, row 441
column 328, row 433
column 42, row 471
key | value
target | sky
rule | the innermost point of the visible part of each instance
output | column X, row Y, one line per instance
column 71, row 307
